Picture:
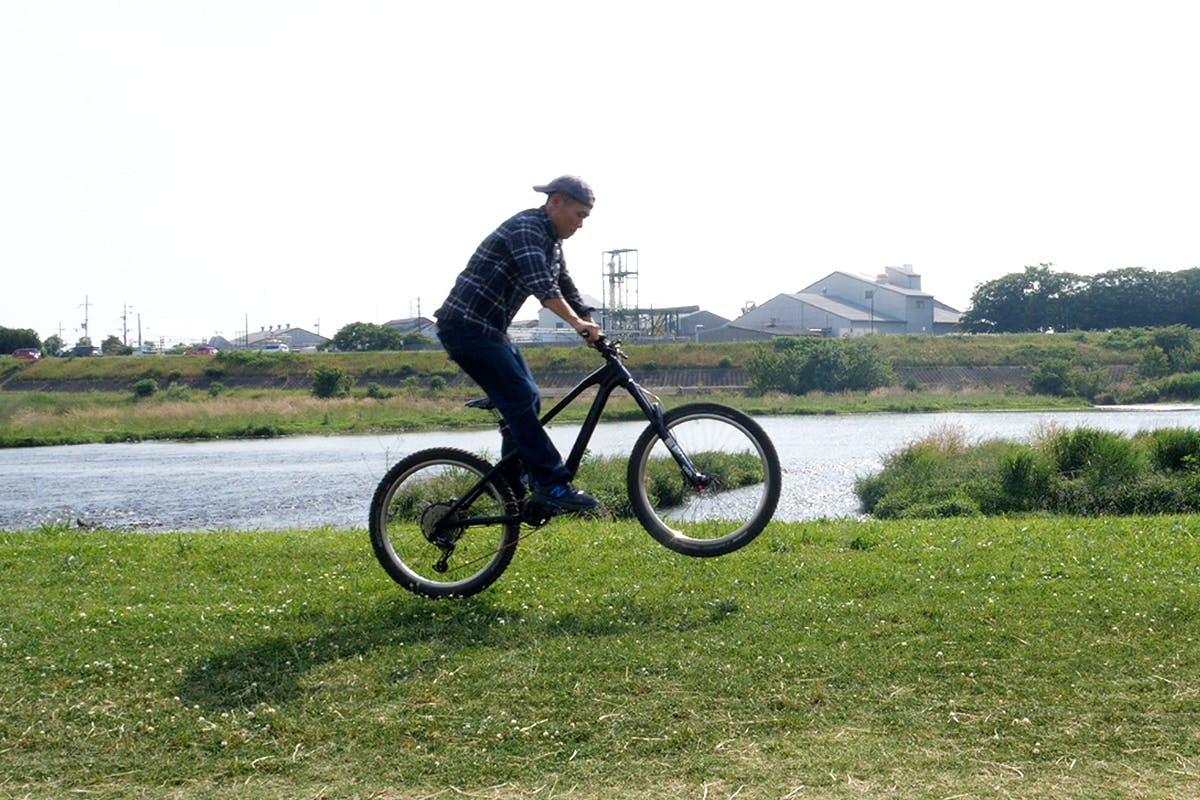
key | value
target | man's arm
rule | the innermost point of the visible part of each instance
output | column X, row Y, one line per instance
column 582, row 325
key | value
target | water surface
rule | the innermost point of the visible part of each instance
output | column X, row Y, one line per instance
column 311, row 481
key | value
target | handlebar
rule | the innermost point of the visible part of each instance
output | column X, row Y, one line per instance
column 609, row 347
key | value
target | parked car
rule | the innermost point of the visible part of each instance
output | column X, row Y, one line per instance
column 27, row 353
column 273, row 347
column 202, row 350
column 83, row 350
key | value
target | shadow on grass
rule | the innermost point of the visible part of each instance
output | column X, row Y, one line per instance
column 271, row 670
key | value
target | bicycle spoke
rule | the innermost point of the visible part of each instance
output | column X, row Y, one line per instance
column 431, row 543
column 731, row 499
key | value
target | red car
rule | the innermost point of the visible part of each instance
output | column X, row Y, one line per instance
column 27, row 353
column 202, row 350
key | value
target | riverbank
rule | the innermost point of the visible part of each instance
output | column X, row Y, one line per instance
column 826, row 658
column 248, row 394
column 53, row 418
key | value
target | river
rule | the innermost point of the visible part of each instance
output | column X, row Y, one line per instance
column 313, row 481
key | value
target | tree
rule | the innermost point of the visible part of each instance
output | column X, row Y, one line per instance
column 359, row 336
column 1183, row 288
column 418, row 341
column 1037, row 299
column 16, row 338
column 1129, row 298
column 113, row 346
column 53, row 345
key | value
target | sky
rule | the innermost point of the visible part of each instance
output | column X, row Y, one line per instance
column 196, row 168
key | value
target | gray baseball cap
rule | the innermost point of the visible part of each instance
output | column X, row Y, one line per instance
column 572, row 186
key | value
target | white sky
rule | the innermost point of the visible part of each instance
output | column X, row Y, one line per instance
column 205, row 163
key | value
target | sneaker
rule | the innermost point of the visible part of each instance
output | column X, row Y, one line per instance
column 564, row 497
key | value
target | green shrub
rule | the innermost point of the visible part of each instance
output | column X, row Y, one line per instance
column 177, row 391
column 146, row 387
column 1153, row 363
column 1099, row 457
column 215, row 388
column 926, row 471
column 1142, row 393
column 1052, row 377
column 1175, row 449
column 1024, row 476
column 376, row 392
column 801, row 365
column 330, row 381
column 1185, row 386
column 1088, row 382
column 958, row 505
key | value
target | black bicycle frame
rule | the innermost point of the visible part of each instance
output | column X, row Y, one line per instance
column 607, row 378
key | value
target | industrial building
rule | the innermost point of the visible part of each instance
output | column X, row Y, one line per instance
column 845, row 304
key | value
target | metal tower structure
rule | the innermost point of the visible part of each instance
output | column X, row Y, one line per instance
column 621, row 314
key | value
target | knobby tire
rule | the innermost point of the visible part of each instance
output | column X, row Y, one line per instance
column 414, row 496
column 744, row 480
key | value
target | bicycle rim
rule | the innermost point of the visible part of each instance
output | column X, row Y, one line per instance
column 738, row 499
column 424, row 545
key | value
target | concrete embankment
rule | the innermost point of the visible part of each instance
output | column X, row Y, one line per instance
column 664, row 381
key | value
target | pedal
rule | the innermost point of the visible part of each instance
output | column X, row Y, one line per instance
column 536, row 514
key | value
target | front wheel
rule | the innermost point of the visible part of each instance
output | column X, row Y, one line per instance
column 429, row 546
column 730, row 498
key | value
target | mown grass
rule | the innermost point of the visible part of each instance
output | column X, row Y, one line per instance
column 1022, row 657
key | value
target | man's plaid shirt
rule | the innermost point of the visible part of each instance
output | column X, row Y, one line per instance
column 521, row 258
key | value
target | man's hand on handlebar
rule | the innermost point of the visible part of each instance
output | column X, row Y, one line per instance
column 590, row 331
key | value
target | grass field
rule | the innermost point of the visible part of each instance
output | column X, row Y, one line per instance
column 995, row 658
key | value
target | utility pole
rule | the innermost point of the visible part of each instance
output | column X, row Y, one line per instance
column 86, row 305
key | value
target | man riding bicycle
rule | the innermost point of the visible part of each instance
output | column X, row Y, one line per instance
column 521, row 258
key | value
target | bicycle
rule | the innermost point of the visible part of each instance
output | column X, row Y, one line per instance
column 703, row 479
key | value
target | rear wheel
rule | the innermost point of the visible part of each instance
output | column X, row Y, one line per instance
column 426, row 545
column 734, row 496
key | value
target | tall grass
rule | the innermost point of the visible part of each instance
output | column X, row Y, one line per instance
column 1080, row 471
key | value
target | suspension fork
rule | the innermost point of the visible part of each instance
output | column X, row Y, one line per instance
column 654, row 412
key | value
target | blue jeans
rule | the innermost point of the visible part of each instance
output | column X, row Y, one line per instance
column 500, row 370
